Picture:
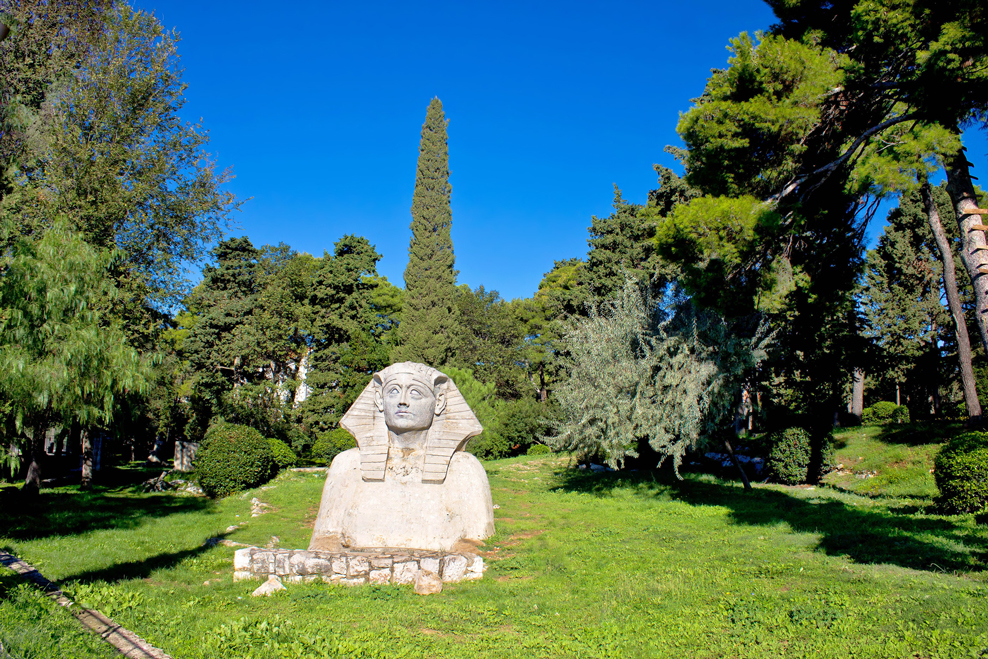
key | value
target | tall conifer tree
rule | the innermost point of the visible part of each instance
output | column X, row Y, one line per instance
column 430, row 322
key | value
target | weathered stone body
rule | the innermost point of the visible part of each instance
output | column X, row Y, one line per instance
column 405, row 512
column 408, row 484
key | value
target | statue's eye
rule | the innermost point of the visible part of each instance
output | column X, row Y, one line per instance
column 415, row 393
column 393, row 391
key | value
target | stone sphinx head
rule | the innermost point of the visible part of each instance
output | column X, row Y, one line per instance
column 409, row 406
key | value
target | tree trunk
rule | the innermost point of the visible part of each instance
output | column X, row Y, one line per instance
column 856, row 408
column 87, row 459
column 737, row 463
column 898, row 397
column 971, row 401
column 35, row 459
column 543, row 393
column 974, row 247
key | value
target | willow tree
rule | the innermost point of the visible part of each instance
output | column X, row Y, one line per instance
column 63, row 360
column 430, row 324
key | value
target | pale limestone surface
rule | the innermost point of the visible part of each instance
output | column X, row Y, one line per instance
column 408, row 484
column 269, row 587
column 428, row 583
column 398, row 566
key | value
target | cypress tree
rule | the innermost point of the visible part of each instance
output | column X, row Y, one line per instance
column 430, row 322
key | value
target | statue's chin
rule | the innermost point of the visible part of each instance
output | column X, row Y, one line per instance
column 408, row 424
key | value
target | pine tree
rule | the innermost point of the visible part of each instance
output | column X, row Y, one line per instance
column 430, row 322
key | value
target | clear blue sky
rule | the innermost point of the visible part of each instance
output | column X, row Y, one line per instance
column 317, row 108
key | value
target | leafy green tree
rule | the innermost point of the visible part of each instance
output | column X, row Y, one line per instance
column 45, row 43
column 621, row 246
column 63, row 359
column 490, row 341
column 747, row 247
column 430, row 323
column 116, row 160
column 562, row 295
column 909, row 68
column 901, row 299
column 481, row 398
column 350, row 332
column 224, row 342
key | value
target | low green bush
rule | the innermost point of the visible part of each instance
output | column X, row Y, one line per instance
column 961, row 473
column 233, row 458
column 538, row 449
column 884, row 412
column 283, row 454
column 901, row 414
column 330, row 444
column 789, row 459
column 524, row 422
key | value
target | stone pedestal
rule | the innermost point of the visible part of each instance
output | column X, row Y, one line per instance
column 355, row 567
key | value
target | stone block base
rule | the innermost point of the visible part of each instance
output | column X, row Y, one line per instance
column 354, row 567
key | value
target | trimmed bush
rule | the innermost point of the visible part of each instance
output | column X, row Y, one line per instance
column 789, row 459
column 283, row 454
column 884, row 412
column 330, row 444
column 901, row 414
column 539, row 449
column 233, row 458
column 961, row 472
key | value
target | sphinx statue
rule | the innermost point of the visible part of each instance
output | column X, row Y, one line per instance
column 409, row 483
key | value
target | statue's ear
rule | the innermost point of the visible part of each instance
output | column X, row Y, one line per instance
column 440, row 402
column 378, row 393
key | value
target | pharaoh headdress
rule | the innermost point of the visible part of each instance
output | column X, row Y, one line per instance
column 449, row 432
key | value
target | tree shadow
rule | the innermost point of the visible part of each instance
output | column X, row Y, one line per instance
column 141, row 569
column 920, row 433
column 65, row 512
column 863, row 536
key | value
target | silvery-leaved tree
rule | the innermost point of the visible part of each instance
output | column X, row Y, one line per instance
column 641, row 373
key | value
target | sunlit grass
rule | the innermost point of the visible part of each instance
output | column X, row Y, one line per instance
column 582, row 565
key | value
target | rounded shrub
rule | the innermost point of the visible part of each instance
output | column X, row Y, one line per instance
column 233, row 458
column 961, row 472
column 884, row 412
column 283, row 454
column 539, row 449
column 901, row 414
column 789, row 459
column 330, row 444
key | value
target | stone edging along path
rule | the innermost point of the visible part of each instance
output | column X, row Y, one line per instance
column 125, row 641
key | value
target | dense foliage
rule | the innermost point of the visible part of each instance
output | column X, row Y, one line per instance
column 331, row 444
column 430, row 326
column 644, row 376
column 962, row 473
column 282, row 454
column 789, row 458
column 884, row 412
column 233, row 458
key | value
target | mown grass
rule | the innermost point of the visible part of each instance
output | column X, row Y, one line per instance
column 582, row 565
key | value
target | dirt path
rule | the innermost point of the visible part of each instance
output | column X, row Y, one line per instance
column 125, row 641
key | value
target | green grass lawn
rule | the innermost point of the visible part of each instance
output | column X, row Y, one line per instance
column 582, row 565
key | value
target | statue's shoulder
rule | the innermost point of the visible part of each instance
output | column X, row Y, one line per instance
column 346, row 461
column 466, row 464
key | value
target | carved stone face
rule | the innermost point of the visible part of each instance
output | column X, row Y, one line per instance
column 408, row 403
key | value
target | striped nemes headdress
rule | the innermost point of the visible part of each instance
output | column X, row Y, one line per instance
column 449, row 432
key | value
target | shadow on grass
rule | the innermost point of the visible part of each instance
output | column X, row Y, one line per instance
column 140, row 569
column 920, row 433
column 69, row 511
column 864, row 536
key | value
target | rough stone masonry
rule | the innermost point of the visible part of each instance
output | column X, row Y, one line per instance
column 354, row 567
